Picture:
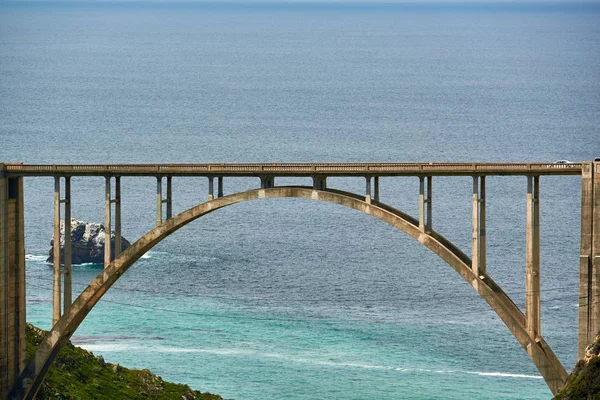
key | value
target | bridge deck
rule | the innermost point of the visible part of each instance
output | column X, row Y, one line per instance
column 293, row 169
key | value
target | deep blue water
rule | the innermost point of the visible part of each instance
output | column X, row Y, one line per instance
column 292, row 299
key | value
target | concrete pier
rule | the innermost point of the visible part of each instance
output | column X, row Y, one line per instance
column 12, row 282
column 589, row 257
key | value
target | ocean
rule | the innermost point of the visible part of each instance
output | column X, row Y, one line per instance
column 289, row 298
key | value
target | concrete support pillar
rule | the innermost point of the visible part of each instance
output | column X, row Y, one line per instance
column 56, row 276
column 482, row 232
column 267, row 182
column 159, row 201
column 532, row 259
column 376, row 184
column 478, row 252
column 596, row 250
column 118, row 227
column 422, row 203
column 211, row 188
column 67, row 270
column 425, row 221
column 589, row 263
column 107, row 223
column 169, row 197
column 5, row 363
column 12, row 282
column 429, row 225
column 475, row 227
column 220, row 186
column 319, row 183
column 368, row 190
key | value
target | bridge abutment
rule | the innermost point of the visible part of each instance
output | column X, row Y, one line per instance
column 12, row 288
column 589, row 258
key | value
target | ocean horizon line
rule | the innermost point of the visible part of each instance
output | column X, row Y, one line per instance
column 400, row 5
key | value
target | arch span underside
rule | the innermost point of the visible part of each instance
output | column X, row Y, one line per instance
column 545, row 360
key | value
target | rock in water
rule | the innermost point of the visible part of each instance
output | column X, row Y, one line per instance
column 87, row 243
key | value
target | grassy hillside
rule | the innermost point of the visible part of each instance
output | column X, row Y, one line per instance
column 78, row 374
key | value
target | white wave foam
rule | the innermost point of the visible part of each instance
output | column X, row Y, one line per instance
column 505, row 375
column 34, row 257
column 342, row 364
column 455, row 322
column 220, row 351
column 152, row 253
column 121, row 347
column 109, row 347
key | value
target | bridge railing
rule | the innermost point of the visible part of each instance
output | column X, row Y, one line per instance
column 295, row 168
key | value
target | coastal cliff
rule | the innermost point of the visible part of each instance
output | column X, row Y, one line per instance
column 584, row 381
column 78, row 374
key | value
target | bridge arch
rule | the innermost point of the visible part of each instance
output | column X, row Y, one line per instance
column 538, row 350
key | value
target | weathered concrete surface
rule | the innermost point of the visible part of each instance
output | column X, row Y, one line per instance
column 12, row 283
column 589, row 258
column 87, row 243
column 543, row 357
column 300, row 169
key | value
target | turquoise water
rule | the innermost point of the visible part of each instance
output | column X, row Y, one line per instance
column 290, row 298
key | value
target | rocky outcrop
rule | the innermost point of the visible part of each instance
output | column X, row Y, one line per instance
column 87, row 243
column 584, row 381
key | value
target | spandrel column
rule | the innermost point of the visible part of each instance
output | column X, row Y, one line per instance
column 169, row 197
column 532, row 259
column 478, row 252
column 211, row 188
column 56, row 276
column 429, row 225
column 475, row 227
column 68, row 271
column 107, row 223
column 159, row 201
column 118, row 227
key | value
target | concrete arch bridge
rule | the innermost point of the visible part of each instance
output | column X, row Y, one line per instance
column 19, row 379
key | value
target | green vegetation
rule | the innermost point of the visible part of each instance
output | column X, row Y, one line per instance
column 78, row 374
column 584, row 381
